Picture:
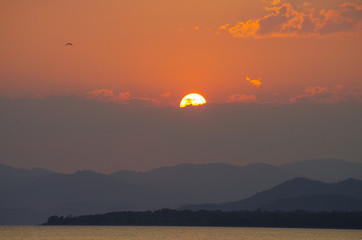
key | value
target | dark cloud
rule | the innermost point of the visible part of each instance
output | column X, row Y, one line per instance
column 318, row 94
column 242, row 98
column 70, row 133
column 107, row 95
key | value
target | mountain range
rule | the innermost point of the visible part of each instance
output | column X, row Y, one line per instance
column 30, row 196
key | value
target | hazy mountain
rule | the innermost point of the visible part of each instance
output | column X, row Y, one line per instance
column 209, row 182
column 326, row 170
column 78, row 193
column 11, row 178
column 82, row 186
column 29, row 196
column 299, row 193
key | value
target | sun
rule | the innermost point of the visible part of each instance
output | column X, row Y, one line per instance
column 193, row 99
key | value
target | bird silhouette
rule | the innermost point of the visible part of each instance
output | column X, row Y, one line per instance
column 69, row 44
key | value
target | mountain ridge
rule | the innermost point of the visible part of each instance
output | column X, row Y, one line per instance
column 34, row 194
column 347, row 190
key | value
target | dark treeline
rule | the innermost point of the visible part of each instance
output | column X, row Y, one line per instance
column 168, row 217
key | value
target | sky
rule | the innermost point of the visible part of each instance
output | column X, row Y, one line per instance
column 282, row 81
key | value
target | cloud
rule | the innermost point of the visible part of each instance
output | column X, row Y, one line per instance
column 242, row 98
column 346, row 19
column 285, row 20
column 106, row 95
column 166, row 94
column 272, row 2
column 319, row 94
column 255, row 83
column 314, row 94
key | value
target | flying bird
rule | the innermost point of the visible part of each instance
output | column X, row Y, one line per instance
column 69, row 44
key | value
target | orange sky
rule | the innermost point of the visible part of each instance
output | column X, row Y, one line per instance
column 144, row 49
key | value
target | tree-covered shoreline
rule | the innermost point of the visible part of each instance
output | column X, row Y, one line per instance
column 169, row 217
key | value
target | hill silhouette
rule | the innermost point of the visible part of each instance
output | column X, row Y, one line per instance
column 326, row 170
column 298, row 194
column 168, row 217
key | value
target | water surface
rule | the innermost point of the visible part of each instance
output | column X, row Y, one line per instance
column 171, row 233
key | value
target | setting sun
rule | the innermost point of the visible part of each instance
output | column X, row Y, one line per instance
column 193, row 99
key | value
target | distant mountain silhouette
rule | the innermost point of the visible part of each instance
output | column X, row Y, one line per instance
column 11, row 178
column 298, row 194
column 217, row 181
column 78, row 193
column 29, row 196
column 326, row 170
column 82, row 186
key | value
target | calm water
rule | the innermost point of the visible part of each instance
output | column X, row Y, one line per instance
column 171, row 233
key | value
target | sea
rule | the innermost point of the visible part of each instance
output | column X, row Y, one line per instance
column 171, row 233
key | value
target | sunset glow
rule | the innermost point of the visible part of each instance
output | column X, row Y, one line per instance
column 272, row 50
column 109, row 85
column 135, row 105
